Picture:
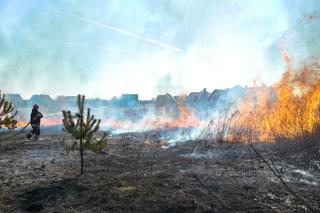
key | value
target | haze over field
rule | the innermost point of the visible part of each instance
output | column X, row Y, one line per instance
column 105, row 48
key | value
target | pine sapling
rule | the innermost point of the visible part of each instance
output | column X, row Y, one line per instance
column 7, row 114
column 83, row 129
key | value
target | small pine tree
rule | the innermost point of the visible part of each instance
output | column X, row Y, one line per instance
column 7, row 114
column 83, row 130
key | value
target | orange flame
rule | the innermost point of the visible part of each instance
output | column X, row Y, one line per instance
column 44, row 122
column 290, row 109
column 185, row 118
column 21, row 123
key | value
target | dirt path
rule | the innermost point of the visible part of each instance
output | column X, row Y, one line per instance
column 135, row 175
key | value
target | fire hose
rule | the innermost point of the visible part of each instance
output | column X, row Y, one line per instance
column 21, row 130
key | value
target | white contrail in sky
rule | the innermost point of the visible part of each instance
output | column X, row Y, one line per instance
column 116, row 29
column 84, row 45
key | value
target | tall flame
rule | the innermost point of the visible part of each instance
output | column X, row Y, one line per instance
column 290, row 109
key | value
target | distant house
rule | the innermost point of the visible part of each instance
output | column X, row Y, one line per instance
column 164, row 100
column 147, row 103
column 16, row 99
column 216, row 94
column 66, row 101
column 220, row 98
column 192, row 97
column 96, row 102
column 42, row 100
column 129, row 100
column 201, row 96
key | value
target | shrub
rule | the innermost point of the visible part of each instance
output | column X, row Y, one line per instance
column 83, row 129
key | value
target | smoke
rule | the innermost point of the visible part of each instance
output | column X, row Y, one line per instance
column 84, row 45
column 80, row 51
column 119, row 30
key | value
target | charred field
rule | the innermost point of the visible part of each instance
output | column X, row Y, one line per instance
column 160, row 106
column 139, row 173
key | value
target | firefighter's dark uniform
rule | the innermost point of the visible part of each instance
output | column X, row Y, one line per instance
column 35, row 119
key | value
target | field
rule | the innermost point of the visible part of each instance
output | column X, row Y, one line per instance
column 137, row 172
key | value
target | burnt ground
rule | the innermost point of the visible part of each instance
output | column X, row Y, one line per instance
column 139, row 174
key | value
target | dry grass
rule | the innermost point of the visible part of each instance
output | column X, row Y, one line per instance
column 232, row 126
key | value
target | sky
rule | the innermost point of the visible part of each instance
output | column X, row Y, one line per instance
column 150, row 47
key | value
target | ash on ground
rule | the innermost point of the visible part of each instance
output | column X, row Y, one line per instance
column 140, row 173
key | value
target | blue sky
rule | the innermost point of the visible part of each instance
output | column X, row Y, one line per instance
column 105, row 48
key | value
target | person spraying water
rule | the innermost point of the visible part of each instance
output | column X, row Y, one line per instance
column 35, row 120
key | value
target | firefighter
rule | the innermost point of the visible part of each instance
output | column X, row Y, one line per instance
column 35, row 119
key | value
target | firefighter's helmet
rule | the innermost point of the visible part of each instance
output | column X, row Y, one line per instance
column 35, row 107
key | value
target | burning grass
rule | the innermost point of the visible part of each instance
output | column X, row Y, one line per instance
column 289, row 110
